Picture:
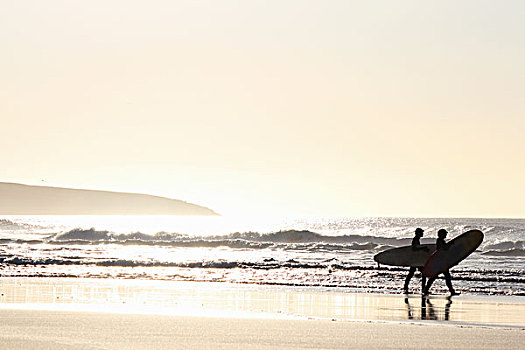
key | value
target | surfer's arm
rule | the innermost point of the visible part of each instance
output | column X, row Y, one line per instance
column 441, row 244
column 447, row 245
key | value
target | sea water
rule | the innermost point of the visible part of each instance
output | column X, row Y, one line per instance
column 335, row 253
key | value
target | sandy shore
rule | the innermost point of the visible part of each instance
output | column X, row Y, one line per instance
column 132, row 314
column 25, row 329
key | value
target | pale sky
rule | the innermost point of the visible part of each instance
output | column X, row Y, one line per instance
column 326, row 108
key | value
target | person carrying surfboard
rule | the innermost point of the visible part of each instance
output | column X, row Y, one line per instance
column 416, row 245
column 441, row 244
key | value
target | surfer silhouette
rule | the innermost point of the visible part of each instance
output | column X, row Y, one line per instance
column 416, row 245
column 441, row 244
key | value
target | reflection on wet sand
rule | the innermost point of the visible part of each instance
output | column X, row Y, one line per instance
column 207, row 298
column 429, row 311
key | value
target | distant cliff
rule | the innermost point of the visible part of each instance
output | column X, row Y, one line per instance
column 17, row 199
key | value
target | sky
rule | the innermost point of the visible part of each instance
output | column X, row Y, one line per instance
column 292, row 108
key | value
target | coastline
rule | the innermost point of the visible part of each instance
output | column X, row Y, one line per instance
column 75, row 313
column 219, row 299
column 113, row 313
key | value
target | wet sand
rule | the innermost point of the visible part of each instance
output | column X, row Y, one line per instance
column 134, row 314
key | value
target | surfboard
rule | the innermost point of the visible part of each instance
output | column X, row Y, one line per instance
column 405, row 256
column 458, row 249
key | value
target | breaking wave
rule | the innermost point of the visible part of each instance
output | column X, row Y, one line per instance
column 508, row 252
column 291, row 238
column 506, row 245
column 8, row 225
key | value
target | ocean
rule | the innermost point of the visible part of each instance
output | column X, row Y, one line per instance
column 321, row 253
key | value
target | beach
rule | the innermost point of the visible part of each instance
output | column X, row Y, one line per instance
column 23, row 329
column 210, row 283
column 72, row 313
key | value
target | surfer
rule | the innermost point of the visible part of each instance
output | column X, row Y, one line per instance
column 416, row 245
column 441, row 244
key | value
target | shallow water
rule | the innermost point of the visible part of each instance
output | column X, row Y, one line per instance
column 252, row 301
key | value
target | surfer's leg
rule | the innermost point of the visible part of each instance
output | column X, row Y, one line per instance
column 429, row 284
column 448, row 280
column 423, row 280
column 409, row 277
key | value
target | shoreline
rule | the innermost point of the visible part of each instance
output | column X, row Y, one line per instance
column 72, row 313
column 227, row 300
